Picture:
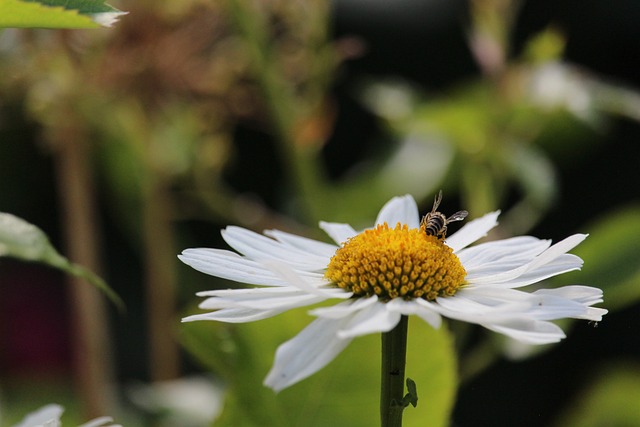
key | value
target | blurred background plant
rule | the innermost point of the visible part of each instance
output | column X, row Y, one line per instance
column 129, row 144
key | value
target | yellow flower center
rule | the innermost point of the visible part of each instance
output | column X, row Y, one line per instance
column 396, row 262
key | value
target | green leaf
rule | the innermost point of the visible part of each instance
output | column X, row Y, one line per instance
column 412, row 394
column 344, row 393
column 57, row 14
column 536, row 176
column 545, row 46
column 610, row 401
column 22, row 240
column 610, row 257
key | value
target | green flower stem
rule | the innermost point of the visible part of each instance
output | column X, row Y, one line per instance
column 394, row 351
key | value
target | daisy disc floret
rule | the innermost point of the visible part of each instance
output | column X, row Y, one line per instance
column 391, row 270
column 396, row 262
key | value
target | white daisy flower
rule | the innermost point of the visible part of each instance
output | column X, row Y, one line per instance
column 385, row 272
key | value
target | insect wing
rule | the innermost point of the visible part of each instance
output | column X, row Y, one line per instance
column 458, row 216
column 436, row 201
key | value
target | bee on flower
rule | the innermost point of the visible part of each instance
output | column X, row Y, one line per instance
column 435, row 223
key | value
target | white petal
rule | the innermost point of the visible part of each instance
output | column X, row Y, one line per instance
column 403, row 210
column 593, row 313
column 229, row 265
column 487, row 296
column 585, row 295
column 46, row 414
column 101, row 421
column 494, row 304
column 315, row 247
column 234, row 315
column 469, row 310
column 344, row 309
column 307, row 353
column 492, row 255
column 520, row 315
column 294, row 279
column 262, row 299
column 558, row 249
column 554, row 253
column 562, row 264
column 374, row 318
column 408, row 308
column 260, row 248
column 472, row 231
column 529, row 331
column 340, row 233
column 551, row 307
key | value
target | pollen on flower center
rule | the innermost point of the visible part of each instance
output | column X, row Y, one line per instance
column 396, row 262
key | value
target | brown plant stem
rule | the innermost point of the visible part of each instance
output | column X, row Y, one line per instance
column 159, row 265
column 92, row 363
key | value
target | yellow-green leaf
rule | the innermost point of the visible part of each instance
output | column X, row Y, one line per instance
column 57, row 14
column 610, row 401
column 22, row 240
column 610, row 257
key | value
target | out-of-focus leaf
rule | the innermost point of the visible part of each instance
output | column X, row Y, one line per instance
column 611, row 401
column 536, row 176
column 610, row 257
column 547, row 45
column 57, row 14
column 22, row 240
column 418, row 167
column 345, row 393
column 122, row 161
